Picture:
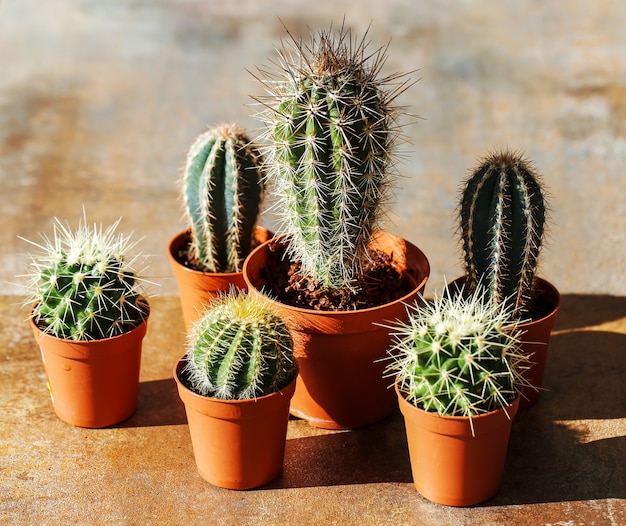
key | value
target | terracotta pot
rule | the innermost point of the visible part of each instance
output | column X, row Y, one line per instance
column 450, row 465
column 93, row 383
column 342, row 355
column 197, row 288
column 536, row 339
column 237, row 444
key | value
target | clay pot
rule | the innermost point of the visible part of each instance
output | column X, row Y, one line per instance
column 197, row 288
column 535, row 339
column 93, row 383
column 237, row 444
column 342, row 355
column 535, row 342
column 450, row 464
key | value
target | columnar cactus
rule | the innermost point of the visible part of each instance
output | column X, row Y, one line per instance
column 239, row 349
column 502, row 214
column 331, row 131
column 83, row 285
column 222, row 190
column 458, row 355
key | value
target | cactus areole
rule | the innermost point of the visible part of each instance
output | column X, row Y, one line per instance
column 331, row 131
column 222, row 190
column 502, row 215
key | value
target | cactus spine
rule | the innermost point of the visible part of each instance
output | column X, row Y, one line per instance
column 459, row 355
column 331, row 131
column 223, row 190
column 239, row 349
column 83, row 285
column 502, row 214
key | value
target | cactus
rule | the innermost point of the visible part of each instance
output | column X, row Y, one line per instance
column 459, row 355
column 502, row 213
column 223, row 191
column 331, row 130
column 239, row 349
column 83, row 285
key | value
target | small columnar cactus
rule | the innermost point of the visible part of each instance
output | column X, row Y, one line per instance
column 83, row 285
column 458, row 355
column 331, row 132
column 222, row 191
column 502, row 214
column 239, row 349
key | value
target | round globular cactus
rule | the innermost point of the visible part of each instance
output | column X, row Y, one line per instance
column 222, row 190
column 239, row 349
column 458, row 355
column 331, row 131
column 502, row 213
column 84, row 286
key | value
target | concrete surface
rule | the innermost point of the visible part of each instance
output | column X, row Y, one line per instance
column 99, row 102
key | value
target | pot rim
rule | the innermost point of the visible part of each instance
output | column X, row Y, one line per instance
column 178, row 241
column 508, row 409
column 178, row 366
column 407, row 298
column 42, row 334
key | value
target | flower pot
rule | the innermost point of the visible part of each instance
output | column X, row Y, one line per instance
column 197, row 288
column 341, row 355
column 237, row 444
column 93, row 383
column 455, row 463
column 535, row 339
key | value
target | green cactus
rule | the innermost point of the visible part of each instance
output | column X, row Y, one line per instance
column 502, row 214
column 239, row 349
column 459, row 355
column 331, row 129
column 83, row 285
column 223, row 191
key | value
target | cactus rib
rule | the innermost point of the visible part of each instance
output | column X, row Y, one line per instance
column 223, row 190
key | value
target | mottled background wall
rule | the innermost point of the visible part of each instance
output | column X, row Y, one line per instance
column 100, row 100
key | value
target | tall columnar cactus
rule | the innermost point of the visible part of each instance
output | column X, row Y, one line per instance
column 239, row 349
column 222, row 190
column 459, row 355
column 83, row 285
column 331, row 131
column 502, row 214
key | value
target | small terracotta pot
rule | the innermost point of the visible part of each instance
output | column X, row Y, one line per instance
column 237, row 444
column 342, row 355
column 93, row 383
column 535, row 342
column 450, row 465
column 198, row 288
column 535, row 339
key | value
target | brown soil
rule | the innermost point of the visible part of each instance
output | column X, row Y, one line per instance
column 380, row 283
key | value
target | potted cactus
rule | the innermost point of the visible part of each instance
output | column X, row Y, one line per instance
column 222, row 189
column 236, row 380
column 89, row 319
column 331, row 131
column 502, row 217
column 458, row 374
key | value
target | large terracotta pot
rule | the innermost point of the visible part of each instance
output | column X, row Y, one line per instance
column 93, row 383
column 237, row 444
column 535, row 339
column 455, row 463
column 197, row 288
column 342, row 355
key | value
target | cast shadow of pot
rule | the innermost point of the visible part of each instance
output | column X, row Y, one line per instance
column 581, row 310
column 158, row 404
column 571, row 445
column 373, row 454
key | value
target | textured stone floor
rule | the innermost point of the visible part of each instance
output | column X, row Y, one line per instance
column 99, row 102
